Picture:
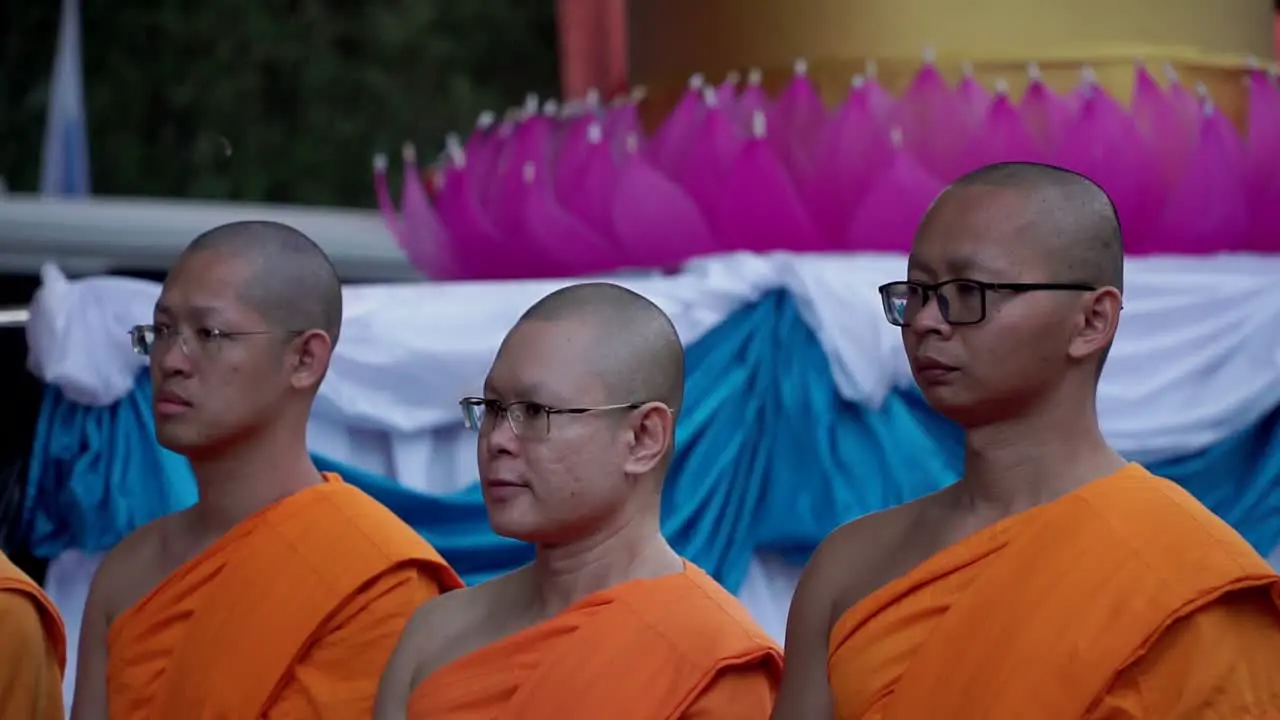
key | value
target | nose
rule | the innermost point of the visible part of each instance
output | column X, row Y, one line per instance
column 501, row 439
column 929, row 320
column 172, row 358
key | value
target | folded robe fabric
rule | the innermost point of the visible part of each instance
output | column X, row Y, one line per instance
column 291, row 614
column 668, row 647
column 33, row 649
column 1070, row 610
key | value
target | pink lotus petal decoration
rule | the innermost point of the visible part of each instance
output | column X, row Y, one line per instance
column 548, row 191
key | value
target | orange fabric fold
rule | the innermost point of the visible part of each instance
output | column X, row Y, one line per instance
column 675, row 646
column 33, row 648
column 293, row 613
column 1042, row 614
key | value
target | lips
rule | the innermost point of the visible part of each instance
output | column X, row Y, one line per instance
column 502, row 490
column 502, row 483
column 168, row 402
column 931, row 369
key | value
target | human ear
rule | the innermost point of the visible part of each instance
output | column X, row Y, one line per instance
column 652, row 432
column 309, row 359
column 1099, row 320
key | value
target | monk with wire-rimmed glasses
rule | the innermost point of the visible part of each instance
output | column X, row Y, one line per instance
column 575, row 432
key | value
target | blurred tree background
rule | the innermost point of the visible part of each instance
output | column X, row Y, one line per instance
column 303, row 92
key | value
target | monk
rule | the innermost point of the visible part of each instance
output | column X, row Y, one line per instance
column 1054, row 580
column 575, row 435
column 281, row 592
column 33, row 649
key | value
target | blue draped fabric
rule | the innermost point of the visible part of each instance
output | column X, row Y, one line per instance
column 769, row 457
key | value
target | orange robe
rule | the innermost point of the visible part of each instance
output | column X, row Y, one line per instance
column 678, row 646
column 292, row 614
column 1126, row 598
column 33, row 649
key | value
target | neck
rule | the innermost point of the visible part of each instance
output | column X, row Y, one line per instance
column 238, row 481
column 1013, row 465
column 629, row 548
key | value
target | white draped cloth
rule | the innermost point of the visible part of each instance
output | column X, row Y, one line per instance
column 1196, row 360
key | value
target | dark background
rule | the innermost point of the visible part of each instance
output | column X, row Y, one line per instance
column 304, row 91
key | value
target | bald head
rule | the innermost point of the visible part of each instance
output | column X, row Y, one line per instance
column 1074, row 218
column 636, row 348
column 291, row 282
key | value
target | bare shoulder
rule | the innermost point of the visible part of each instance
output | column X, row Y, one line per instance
column 130, row 569
column 857, row 558
column 841, row 571
column 448, row 627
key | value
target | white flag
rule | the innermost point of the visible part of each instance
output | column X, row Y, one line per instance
column 64, row 168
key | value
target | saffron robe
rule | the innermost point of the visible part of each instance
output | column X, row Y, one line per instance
column 293, row 613
column 33, row 649
column 678, row 646
column 1095, row 605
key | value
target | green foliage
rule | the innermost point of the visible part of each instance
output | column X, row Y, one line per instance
column 302, row 92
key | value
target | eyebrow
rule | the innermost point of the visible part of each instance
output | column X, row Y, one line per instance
column 964, row 267
column 201, row 313
column 532, row 392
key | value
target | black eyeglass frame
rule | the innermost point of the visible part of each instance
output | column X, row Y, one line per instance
column 547, row 411
column 931, row 290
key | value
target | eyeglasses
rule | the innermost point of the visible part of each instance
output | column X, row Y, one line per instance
column 960, row 301
column 528, row 420
column 152, row 339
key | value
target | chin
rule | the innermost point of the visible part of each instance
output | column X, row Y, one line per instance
column 514, row 524
column 514, row 530
column 186, row 441
column 175, row 439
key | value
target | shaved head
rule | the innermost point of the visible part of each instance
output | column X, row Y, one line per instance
column 637, row 350
column 587, row 384
column 291, row 283
column 1040, row 250
column 1076, row 219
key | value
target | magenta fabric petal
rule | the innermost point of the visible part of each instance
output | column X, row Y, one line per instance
column 1262, row 144
column 574, row 153
column 475, row 237
column 795, row 119
column 932, row 123
column 1046, row 114
column 482, row 148
column 588, row 194
column 1172, row 140
column 1104, row 144
column 887, row 219
column 658, row 224
column 566, row 245
column 715, row 147
column 753, row 99
column 671, row 141
column 880, row 101
column 622, row 121
column 760, row 209
column 424, row 239
column 1003, row 137
column 853, row 153
column 727, row 91
column 1207, row 212
column 972, row 99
